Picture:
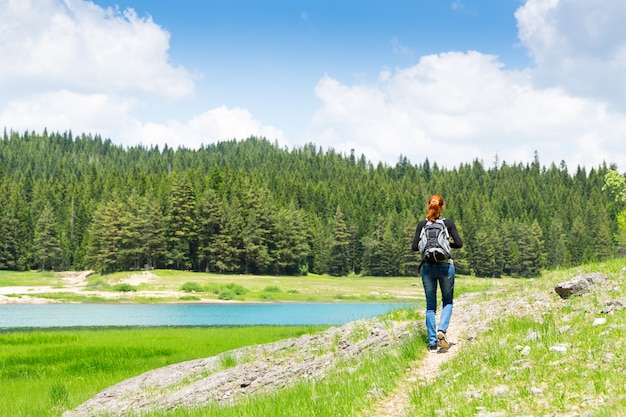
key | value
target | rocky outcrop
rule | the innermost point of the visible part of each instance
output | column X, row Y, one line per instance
column 579, row 285
column 237, row 373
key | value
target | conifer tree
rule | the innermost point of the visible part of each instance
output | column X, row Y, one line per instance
column 228, row 244
column 46, row 241
column 339, row 245
column 483, row 260
column 556, row 245
column 104, row 238
column 257, row 231
column 411, row 258
column 291, row 242
column 131, row 234
column 322, row 243
column 373, row 256
column 181, row 225
column 210, row 219
column 153, row 235
column 9, row 244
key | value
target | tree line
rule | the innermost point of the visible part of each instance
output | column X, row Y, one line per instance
column 81, row 202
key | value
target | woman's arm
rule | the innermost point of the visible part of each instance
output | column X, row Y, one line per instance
column 454, row 234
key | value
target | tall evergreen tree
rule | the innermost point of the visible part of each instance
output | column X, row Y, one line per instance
column 484, row 257
column 373, row 261
column 210, row 219
column 257, row 231
column 48, row 248
column 104, row 238
column 153, row 235
column 531, row 250
column 339, row 245
column 10, row 243
column 181, row 225
column 556, row 245
column 291, row 241
column 229, row 242
column 411, row 258
column 322, row 243
column 131, row 234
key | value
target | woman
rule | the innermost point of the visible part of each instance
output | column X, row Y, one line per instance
column 438, row 272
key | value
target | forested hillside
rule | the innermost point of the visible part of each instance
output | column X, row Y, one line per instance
column 253, row 207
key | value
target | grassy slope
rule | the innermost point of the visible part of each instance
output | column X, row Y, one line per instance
column 558, row 361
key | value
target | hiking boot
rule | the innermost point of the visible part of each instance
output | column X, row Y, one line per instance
column 442, row 341
column 432, row 348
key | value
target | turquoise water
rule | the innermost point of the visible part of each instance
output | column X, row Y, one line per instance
column 72, row 315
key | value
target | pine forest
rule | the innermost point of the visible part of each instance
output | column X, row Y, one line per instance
column 252, row 207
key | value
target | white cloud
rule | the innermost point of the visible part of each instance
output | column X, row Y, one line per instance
column 72, row 65
column 579, row 45
column 455, row 107
column 65, row 110
column 76, row 45
column 212, row 126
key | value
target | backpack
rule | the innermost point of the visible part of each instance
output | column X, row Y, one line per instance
column 434, row 244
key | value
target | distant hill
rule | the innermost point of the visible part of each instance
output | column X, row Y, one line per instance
column 253, row 207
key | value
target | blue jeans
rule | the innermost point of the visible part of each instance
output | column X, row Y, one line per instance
column 433, row 273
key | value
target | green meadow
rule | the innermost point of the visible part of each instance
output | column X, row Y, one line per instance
column 181, row 286
column 45, row 372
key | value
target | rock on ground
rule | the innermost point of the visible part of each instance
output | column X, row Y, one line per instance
column 259, row 368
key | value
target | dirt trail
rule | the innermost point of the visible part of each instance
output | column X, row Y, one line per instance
column 423, row 371
column 469, row 318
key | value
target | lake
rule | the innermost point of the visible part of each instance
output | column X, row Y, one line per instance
column 75, row 315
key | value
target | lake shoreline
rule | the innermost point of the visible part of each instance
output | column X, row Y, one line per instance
column 173, row 287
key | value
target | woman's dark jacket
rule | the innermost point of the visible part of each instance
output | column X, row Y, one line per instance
column 454, row 234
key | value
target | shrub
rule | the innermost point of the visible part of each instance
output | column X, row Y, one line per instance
column 189, row 298
column 99, row 284
column 191, row 286
column 272, row 288
column 124, row 287
column 236, row 289
column 226, row 295
column 213, row 288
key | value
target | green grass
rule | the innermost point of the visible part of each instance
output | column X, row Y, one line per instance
column 494, row 376
column 44, row 373
column 27, row 278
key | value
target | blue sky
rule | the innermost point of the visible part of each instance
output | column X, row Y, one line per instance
column 451, row 81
